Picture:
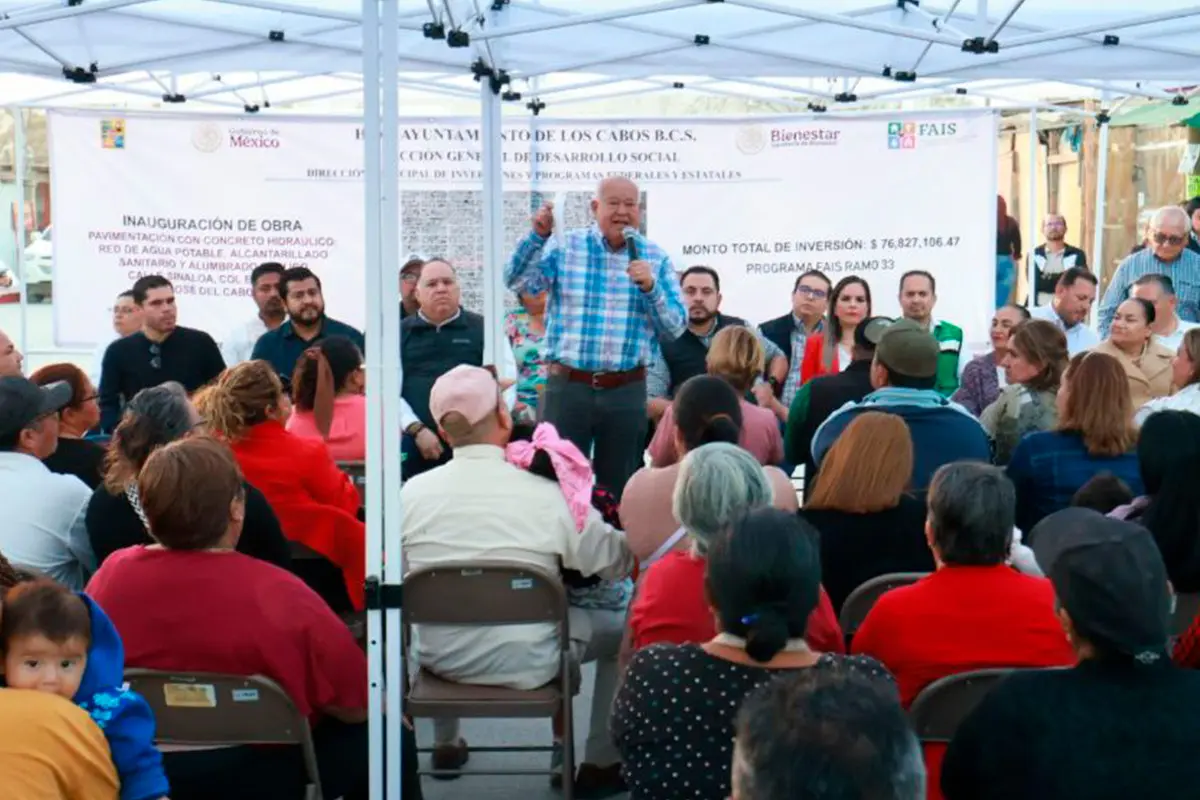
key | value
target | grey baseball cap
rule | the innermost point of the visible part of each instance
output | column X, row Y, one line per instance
column 23, row 402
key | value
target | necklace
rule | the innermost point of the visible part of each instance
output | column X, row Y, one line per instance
column 737, row 642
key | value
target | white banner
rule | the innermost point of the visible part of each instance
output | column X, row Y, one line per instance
column 203, row 200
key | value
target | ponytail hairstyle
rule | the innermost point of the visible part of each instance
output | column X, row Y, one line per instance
column 707, row 409
column 243, row 396
column 763, row 578
column 321, row 374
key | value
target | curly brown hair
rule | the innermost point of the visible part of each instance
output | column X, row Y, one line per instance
column 242, row 396
column 1042, row 343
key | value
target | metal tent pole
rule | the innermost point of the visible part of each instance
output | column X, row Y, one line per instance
column 1032, row 211
column 1096, row 258
column 372, row 202
column 493, row 223
column 19, row 225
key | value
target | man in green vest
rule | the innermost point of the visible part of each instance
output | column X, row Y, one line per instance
column 918, row 296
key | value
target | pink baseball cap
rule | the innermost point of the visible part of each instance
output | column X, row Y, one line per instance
column 471, row 391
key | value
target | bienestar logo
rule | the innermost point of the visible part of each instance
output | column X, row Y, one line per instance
column 804, row 137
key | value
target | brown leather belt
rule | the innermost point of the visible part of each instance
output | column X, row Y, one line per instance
column 598, row 380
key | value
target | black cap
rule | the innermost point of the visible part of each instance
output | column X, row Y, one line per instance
column 22, row 402
column 870, row 331
column 1110, row 577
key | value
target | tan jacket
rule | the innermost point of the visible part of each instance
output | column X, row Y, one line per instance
column 1149, row 376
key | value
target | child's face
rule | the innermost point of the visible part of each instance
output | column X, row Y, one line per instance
column 34, row 662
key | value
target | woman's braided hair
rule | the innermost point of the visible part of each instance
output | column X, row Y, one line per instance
column 242, row 396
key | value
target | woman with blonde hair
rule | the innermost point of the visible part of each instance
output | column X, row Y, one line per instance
column 1033, row 366
column 1185, row 377
column 869, row 525
column 1095, row 434
column 736, row 355
column 317, row 504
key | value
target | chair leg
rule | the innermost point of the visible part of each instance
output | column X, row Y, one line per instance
column 568, row 747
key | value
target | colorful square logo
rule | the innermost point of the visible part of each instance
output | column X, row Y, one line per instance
column 910, row 129
column 908, row 142
column 893, row 142
column 112, row 134
column 894, row 128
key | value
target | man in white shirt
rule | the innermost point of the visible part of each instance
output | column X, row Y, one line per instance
column 1073, row 297
column 44, row 513
column 126, row 319
column 239, row 343
column 479, row 506
column 1167, row 326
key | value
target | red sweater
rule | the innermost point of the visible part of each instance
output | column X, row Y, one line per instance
column 671, row 607
column 960, row 619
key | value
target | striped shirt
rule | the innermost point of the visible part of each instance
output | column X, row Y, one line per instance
column 1184, row 272
column 597, row 319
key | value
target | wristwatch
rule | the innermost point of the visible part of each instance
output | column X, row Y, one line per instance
column 774, row 384
column 415, row 428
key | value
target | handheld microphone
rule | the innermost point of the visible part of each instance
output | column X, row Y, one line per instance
column 630, row 233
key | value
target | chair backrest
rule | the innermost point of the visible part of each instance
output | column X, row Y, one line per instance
column 479, row 593
column 860, row 601
column 944, row 704
column 1187, row 606
column 357, row 472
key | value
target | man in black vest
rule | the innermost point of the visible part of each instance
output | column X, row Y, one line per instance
column 685, row 357
column 823, row 395
column 440, row 336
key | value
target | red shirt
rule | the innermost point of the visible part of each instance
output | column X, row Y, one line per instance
column 671, row 607
column 960, row 619
column 317, row 504
column 812, row 365
column 204, row 611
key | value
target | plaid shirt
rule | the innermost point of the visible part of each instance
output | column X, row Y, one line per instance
column 1184, row 273
column 597, row 319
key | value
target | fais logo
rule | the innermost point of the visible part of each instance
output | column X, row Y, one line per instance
column 904, row 135
column 254, row 138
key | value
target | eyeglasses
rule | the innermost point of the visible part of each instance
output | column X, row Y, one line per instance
column 155, row 356
column 815, row 294
column 1165, row 238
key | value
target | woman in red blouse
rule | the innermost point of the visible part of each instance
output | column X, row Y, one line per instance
column 832, row 350
column 317, row 504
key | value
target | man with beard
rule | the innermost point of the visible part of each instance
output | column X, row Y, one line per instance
column 161, row 351
column 439, row 337
column 264, row 281
column 1069, row 309
column 685, row 357
column 611, row 298
column 306, row 325
column 1054, row 257
column 918, row 296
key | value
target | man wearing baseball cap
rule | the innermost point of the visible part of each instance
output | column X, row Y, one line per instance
column 479, row 506
column 1124, row 722
column 823, row 395
column 904, row 376
column 44, row 513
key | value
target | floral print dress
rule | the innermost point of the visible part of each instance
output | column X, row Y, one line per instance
column 528, row 348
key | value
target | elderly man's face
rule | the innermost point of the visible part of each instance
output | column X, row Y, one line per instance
column 1169, row 238
column 438, row 292
column 616, row 207
column 10, row 357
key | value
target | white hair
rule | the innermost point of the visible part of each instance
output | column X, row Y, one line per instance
column 717, row 483
column 1168, row 214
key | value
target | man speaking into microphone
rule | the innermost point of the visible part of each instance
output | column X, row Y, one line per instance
column 611, row 295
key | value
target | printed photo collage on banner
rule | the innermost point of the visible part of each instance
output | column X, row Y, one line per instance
column 203, row 200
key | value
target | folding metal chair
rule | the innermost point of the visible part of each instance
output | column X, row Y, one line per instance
column 493, row 593
column 942, row 705
column 357, row 472
column 194, row 709
column 863, row 598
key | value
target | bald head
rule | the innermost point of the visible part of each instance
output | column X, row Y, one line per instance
column 438, row 293
column 616, row 206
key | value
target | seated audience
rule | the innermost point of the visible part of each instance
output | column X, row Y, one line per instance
column 192, row 603
column 1169, row 463
column 1185, row 377
column 328, row 402
column 1103, row 493
column 115, row 520
column 74, row 455
column 479, row 506
column 833, row 734
column 737, row 355
column 52, row 750
column 1033, row 368
column 1145, row 362
column 974, row 611
column 817, row 399
column 868, row 525
column 673, row 719
column 61, row 643
column 983, row 376
column 1123, row 722
column 717, row 483
column 44, row 526
column 317, row 504
column 705, row 409
column 1095, row 434
column 904, row 373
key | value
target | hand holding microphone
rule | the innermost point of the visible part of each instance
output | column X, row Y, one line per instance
column 640, row 272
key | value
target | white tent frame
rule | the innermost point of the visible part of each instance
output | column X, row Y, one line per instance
column 937, row 31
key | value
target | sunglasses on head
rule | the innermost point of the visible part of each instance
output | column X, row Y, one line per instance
column 155, row 356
